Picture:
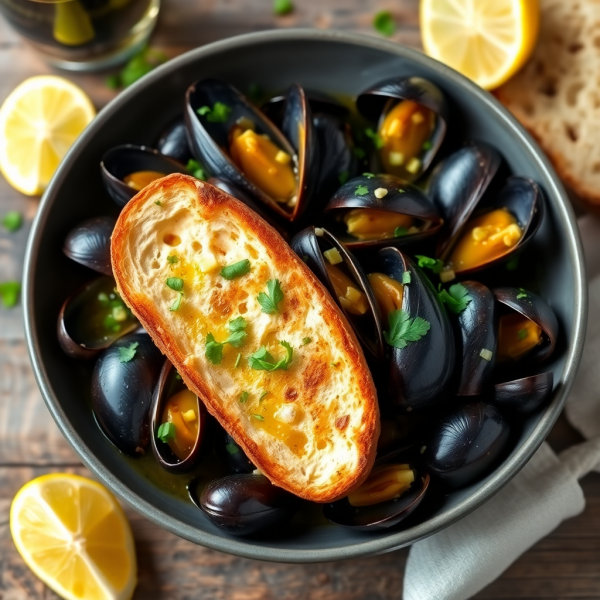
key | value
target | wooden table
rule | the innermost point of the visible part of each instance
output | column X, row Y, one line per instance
column 564, row 565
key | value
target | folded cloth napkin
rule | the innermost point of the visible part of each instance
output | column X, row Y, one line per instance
column 465, row 557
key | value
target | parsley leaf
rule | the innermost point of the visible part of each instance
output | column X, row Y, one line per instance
column 12, row 220
column 258, row 417
column 231, row 448
column 306, row 340
column 237, row 360
column 172, row 259
column 235, row 270
column 196, row 169
column 374, row 137
column 175, row 283
column 270, row 301
column 213, row 350
column 282, row 7
column 262, row 396
column 400, row 232
column 383, row 22
column 403, row 329
column 262, row 360
column 521, row 294
column 9, row 293
column 456, row 298
column 435, row 264
column 237, row 337
column 177, row 304
column 361, row 190
column 166, row 432
column 243, row 397
column 127, row 354
column 406, row 278
column 219, row 113
column 158, row 203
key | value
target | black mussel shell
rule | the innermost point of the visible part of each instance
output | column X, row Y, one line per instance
column 89, row 244
column 530, row 305
column 173, row 142
column 524, row 395
column 233, row 454
column 378, row 516
column 84, row 326
column 476, row 330
column 309, row 245
column 121, row 161
column 524, row 199
column 122, row 392
column 210, row 140
column 421, row 372
column 458, row 184
column 167, row 386
column 466, row 443
column 244, row 504
column 401, row 198
column 375, row 102
column 320, row 104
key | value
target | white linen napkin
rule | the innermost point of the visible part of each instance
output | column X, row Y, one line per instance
column 465, row 557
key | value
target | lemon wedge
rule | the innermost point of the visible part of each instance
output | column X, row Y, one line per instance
column 486, row 40
column 74, row 536
column 39, row 121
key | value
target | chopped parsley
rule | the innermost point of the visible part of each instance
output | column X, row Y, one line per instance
column 232, row 448
column 158, row 203
column 282, row 7
column 262, row 360
column 404, row 330
column 522, row 294
column 343, row 177
column 270, row 300
column 406, row 278
column 383, row 22
column 219, row 113
column 9, row 293
column 374, row 137
column 306, row 340
column 401, row 191
column 237, row 336
column 361, row 190
column 175, row 283
column 126, row 354
column 12, row 220
column 400, row 231
column 262, row 396
column 172, row 259
column 166, row 432
column 258, row 417
column 237, row 360
column 236, row 270
column 456, row 298
column 244, row 397
column 177, row 304
column 433, row 264
column 522, row 334
column 196, row 169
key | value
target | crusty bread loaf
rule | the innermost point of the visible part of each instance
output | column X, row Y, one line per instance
column 317, row 428
column 557, row 94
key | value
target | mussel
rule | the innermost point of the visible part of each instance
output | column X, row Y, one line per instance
column 346, row 281
column 390, row 494
column 177, row 423
column 127, row 169
column 523, row 395
column 411, row 123
column 421, row 366
column 320, row 104
column 89, row 244
column 122, row 383
column 466, row 443
column 173, row 142
column 236, row 142
column 244, row 504
column 372, row 211
column 92, row 318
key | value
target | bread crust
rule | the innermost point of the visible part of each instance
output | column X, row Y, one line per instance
column 206, row 200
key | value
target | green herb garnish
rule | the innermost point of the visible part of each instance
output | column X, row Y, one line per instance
column 258, row 417
column 12, row 220
column 401, row 191
column 404, row 330
column 237, row 360
column 236, row 270
column 270, row 300
column 522, row 334
column 175, row 283
column 196, row 169
column 262, row 360
column 306, row 340
column 166, row 432
column 521, row 294
column 282, row 7
column 361, row 190
column 177, row 304
column 400, row 232
column 158, row 203
column 406, row 278
column 383, row 22
column 237, row 336
column 172, row 259
column 262, row 396
column 232, row 448
column 343, row 177
column 127, row 354
column 139, row 65
column 244, row 396
column 219, row 113
column 456, row 298
column 374, row 137
column 9, row 293
column 433, row 264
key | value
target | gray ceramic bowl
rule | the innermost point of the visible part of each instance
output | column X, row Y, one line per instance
column 328, row 61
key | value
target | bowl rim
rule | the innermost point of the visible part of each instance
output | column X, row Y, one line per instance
column 368, row 546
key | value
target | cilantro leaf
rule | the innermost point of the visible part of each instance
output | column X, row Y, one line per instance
column 521, row 294
column 282, row 7
column 213, row 350
column 127, row 354
column 456, row 298
column 177, row 304
column 361, row 190
column 12, row 220
column 258, row 417
column 243, row 397
column 235, row 270
column 158, row 203
column 374, row 137
column 383, row 22
column 196, row 169
column 9, row 293
column 403, row 329
column 166, row 432
column 406, row 278
column 262, row 360
column 237, row 337
column 219, row 113
column 175, row 283
column 434, row 264
column 172, row 259
column 237, row 324
column 270, row 301
column 306, row 340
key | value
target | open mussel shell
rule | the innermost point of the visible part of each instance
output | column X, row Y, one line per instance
column 476, row 332
column 168, row 385
column 420, row 373
column 173, row 142
column 244, row 504
column 466, row 443
column 211, row 140
column 524, row 200
column 524, row 395
column 398, row 197
column 377, row 101
column 536, row 310
column 320, row 104
column 122, row 161
column 310, row 244
column 122, row 386
column 458, row 184
column 89, row 244
column 92, row 319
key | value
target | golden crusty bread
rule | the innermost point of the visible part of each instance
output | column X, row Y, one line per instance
column 321, row 420
column 556, row 95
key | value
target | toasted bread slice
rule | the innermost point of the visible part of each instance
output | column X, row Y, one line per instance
column 556, row 96
column 315, row 431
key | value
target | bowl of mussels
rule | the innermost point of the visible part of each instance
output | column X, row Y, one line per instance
column 390, row 166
